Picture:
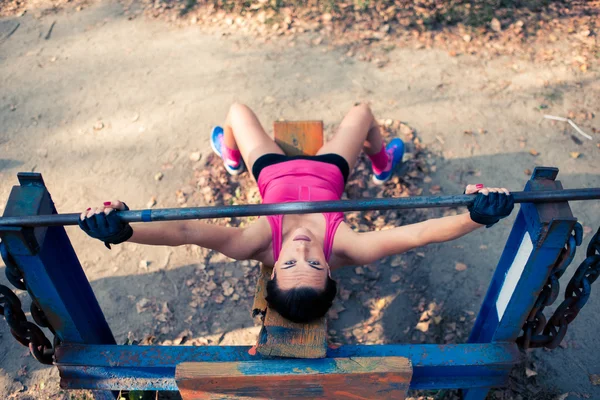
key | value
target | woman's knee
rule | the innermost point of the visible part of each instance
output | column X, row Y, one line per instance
column 238, row 109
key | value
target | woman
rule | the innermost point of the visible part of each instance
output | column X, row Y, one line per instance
column 303, row 249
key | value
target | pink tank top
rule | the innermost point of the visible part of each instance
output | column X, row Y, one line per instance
column 302, row 180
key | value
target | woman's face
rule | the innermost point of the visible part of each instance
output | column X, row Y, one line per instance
column 301, row 262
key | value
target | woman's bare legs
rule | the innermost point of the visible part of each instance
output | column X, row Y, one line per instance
column 244, row 132
column 358, row 132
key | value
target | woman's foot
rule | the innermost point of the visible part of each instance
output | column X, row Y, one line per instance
column 395, row 152
column 233, row 166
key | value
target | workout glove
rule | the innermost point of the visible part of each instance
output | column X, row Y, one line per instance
column 487, row 210
column 107, row 227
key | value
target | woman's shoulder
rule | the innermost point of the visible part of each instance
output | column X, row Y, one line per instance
column 260, row 232
column 344, row 239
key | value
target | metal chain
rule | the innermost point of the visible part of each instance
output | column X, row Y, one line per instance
column 13, row 274
column 27, row 333
column 539, row 332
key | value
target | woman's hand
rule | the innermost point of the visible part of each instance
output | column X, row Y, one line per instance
column 490, row 205
column 103, row 223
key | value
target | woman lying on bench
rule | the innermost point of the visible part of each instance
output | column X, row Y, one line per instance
column 303, row 249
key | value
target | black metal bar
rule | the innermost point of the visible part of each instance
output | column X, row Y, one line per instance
column 249, row 210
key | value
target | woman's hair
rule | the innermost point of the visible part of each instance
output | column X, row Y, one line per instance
column 303, row 304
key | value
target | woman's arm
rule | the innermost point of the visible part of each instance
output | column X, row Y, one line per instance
column 365, row 248
column 368, row 247
column 237, row 243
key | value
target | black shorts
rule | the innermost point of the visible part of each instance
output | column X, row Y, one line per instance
column 272, row 158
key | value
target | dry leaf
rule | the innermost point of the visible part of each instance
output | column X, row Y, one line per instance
column 394, row 278
column 142, row 305
column 527, row 171
column 574, row 154
column 435, row 189
column 98, row 125
column 22, row 371
column 534, row 152
column 422, row 326
column 396, row 262
column 529, row 372
column 151, row 203
column 495, row 25
column 460, row 267
column 345, row 294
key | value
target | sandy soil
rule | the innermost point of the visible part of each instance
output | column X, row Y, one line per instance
column 158, row 89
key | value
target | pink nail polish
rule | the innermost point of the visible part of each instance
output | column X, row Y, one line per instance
column 479, row 185
column 107, row 203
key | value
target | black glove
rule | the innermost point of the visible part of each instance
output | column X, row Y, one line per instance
column 107, row 227
column 487, row 210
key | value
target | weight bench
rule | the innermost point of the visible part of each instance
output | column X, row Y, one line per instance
column 327, row 378
column 278, row 336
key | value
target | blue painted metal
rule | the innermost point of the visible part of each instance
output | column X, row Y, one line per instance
column 89, row 359
column 549, row 227
column 153, row 367
column 52, row 272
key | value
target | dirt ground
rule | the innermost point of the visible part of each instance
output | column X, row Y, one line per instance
column 100, row 104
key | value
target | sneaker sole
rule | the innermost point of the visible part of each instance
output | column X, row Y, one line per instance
column 380, row 182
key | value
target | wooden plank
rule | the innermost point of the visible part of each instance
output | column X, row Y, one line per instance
column 260, row 303
column 299, row 137
column 329, row 378
column 278, row 336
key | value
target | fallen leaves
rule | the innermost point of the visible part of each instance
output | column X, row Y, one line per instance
column 534, row 152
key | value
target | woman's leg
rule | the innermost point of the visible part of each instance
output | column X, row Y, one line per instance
column 244, row 133
column 358, row 131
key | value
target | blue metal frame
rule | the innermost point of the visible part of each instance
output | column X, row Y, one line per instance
column 535, row 242
column 51, row 269
column 88, row 358
column 153, row 367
